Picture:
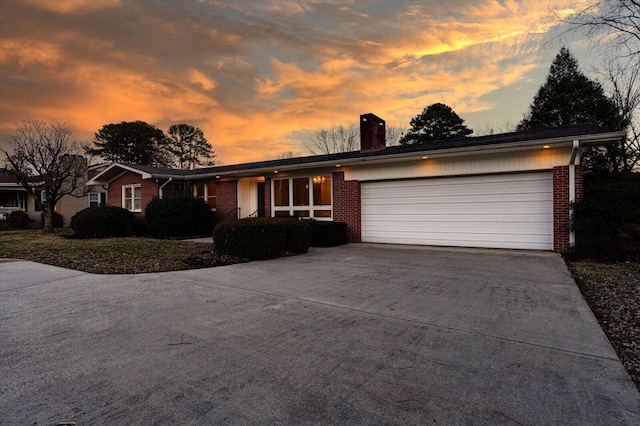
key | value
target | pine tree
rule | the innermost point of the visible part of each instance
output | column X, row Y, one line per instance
column 569, row 97
column 437, row 122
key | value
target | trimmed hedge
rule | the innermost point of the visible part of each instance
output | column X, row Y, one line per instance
column 18, row 219
column 298, row 235
column 102, row 221
column 327, row 234
column 178, row 216
column 261, row 238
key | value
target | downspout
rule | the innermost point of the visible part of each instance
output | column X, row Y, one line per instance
column 575, row 150
column 163, row 185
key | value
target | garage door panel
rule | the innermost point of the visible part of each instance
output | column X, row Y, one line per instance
column 530, row 209
column 510, row 211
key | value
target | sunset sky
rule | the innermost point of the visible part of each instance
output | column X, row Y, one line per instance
column 258, row 76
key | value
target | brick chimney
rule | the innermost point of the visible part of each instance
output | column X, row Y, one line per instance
column 372, row 133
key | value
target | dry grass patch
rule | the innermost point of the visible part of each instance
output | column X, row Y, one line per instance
column 131, row 255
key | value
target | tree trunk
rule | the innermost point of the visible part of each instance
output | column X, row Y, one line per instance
column 48, row 221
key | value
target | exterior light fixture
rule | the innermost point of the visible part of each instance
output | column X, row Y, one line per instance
column 546, row 146
column 218, row 177
column 337, row 165
column 275, row 172
column 425, row 157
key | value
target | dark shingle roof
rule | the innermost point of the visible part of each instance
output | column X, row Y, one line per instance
column 502, row 138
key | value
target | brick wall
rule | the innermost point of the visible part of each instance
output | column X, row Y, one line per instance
column 267, row 197
column 347, row 206
column 578, row 183
column 226, row 199
column 561, row 208
column 149, row 189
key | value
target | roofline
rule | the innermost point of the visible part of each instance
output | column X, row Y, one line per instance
column 591, row 139
column 144, row 175
column 381, row 157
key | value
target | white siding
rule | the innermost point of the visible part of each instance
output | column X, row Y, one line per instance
column 542, row 159
column 499, row 211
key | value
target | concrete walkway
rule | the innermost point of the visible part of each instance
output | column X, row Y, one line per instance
column 348, row 335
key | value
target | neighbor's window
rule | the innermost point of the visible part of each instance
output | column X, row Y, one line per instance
column 96, row 199
column 207, row 193
column 303, row 197
column 132, row 197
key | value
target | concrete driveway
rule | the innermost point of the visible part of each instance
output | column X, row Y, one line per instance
column 348, row 335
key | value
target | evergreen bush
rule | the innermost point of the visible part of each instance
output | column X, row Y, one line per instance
column 607, row 219
column 57, row 220
column 178, row 217
column 298, row 235
column 18, row 219
column 252, row 238
column 327, row 234
column 102, row 221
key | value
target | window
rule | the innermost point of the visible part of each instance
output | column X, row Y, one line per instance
column 303, row 197
column 96, row 199
column 43, row 199
column 132, row 197
column 206, row 192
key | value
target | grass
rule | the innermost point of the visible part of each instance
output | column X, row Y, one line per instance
column 613, row 294
column 129, row 255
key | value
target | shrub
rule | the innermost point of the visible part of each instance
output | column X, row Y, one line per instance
column 102, row 221
column 18, row 219
column 607, row 219
column 57, row 220
column 327, row 234
column 298, row 235
column 178, row 216
column 253, row 239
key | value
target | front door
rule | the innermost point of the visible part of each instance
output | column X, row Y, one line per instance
column 261, row 209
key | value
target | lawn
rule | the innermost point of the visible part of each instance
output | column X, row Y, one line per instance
column 129, row 255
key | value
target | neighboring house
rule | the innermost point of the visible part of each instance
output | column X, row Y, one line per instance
column 509, row 190
column 14, row 197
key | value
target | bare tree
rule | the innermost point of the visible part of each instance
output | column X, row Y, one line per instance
column 189, row 147
column 394, row 135
column 622, row 80
column 333, row 139
column 287, row 155
column 617, row 19
column 45, row 157
column 345, row 138
column 487, row 129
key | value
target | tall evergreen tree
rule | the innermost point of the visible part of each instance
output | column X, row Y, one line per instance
column 437, row 122
column 569, row 97
column 134, row 142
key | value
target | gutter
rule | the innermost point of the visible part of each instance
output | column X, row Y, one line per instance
column 163, row 185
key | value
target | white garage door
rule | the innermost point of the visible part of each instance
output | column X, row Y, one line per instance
column 500, row 211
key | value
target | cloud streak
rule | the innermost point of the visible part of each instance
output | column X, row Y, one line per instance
column 254, row 75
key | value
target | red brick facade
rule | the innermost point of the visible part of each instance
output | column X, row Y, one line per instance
column 561, row 205
column 226, row 199
column 347, row 205
column 149, row 189
column 267, row 197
